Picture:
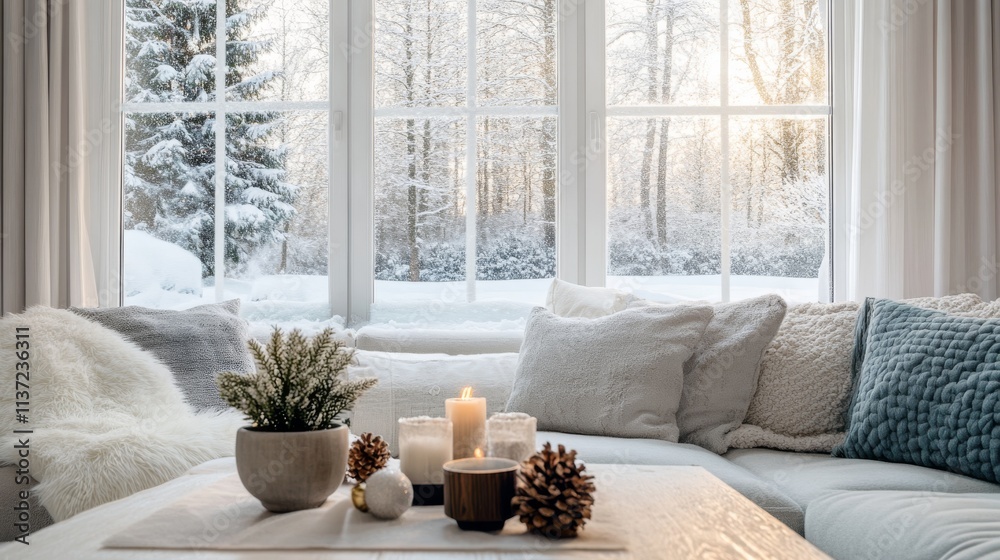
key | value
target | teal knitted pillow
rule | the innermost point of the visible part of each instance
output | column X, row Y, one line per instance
column 927, row 390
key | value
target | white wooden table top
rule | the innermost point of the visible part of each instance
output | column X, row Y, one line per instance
column 669, row 512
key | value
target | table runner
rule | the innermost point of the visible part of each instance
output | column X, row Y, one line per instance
column 224, row 516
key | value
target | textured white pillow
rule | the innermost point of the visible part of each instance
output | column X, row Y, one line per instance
column 569, row 300
column 618, row 376
column 804, row 387
column 417, row 385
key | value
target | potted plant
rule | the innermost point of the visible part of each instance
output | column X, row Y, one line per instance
column 293, row 455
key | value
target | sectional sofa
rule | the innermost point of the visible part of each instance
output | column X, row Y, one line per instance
column 775, row 449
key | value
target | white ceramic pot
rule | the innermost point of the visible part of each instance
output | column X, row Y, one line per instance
column 290, row 471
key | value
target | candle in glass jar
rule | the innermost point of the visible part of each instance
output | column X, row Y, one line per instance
column 468, row 420
column 511, row 435
column 425, row 444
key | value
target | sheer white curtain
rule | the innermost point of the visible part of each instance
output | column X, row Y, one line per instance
column 57, row 67
column 917, row 184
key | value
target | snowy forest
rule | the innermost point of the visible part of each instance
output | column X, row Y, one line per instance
column 664, row 178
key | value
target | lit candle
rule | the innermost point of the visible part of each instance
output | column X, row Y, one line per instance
column 468, row 420
column 424, row 446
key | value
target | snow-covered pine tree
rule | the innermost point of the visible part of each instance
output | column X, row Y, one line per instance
column 170, row 157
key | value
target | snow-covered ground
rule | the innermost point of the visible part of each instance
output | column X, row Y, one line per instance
column 161, row 275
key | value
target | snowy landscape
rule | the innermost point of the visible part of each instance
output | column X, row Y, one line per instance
column 440, row 208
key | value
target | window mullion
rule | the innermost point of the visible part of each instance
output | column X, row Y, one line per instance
column 725, row 195
column 220, row 151
column 594, row 223
column 470, row 159
column 354, row 67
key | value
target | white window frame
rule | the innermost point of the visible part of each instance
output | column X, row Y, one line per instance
column 581, row 204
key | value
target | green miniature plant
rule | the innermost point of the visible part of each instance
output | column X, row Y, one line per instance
column 300, row 384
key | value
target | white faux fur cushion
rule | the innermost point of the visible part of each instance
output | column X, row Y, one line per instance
column 804, row 387
column 566, row 299
column 108, row 419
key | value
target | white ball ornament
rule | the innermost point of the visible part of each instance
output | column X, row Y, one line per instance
column 388, row 494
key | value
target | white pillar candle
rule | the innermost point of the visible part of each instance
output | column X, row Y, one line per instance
column 425, row 445
column 468, row 420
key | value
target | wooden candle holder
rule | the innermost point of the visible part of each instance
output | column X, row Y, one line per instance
column 478, row 492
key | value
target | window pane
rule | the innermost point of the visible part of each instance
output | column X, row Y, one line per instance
column 169, row 208
column 419, row 208
column 516, row 49
column 169, row 51
column 420, row 53
column 664, row 211
column 662, row 53
column 779, row 207
column 778, row 52
column 277, row 213
column 277, row 50
column 516, row 208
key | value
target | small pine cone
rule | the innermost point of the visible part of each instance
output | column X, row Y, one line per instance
column 553, row 496
column 368, row 454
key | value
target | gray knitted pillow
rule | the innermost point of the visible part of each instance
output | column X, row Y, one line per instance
column 195, row 344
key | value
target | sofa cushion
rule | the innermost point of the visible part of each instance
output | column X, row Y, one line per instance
column 721, row 376
column 566, row 299
column 806, row 476
column 619, row 375
column 417, row 385
column 437, row 341
column 903, row 524
column 804, row 387
column 196, row 344
column 928, row 390
column 597, row 449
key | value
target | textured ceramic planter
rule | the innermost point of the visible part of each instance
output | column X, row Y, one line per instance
column 290, row 471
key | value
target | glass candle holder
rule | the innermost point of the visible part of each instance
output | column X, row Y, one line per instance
column 511, row 435
column 425, row 445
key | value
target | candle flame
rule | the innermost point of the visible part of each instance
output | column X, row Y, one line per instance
column 478, row 453
column 467, row 393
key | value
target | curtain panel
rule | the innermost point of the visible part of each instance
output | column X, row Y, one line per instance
column 53, row 146
column 919, row 143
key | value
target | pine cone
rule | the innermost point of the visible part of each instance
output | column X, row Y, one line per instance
column 553, row 496
column 368, row 454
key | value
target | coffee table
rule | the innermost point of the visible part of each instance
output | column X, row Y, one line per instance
column 662, row 512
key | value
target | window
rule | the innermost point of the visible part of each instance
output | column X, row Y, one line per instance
column 465, row 156
column 449, row 157
column 717, row 120
column 226, row 194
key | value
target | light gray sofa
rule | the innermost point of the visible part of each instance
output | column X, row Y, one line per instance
column 850, row 508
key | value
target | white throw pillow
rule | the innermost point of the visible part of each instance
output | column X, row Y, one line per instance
column 721, row 377
column 619, row 375
column 804, row 387
column 570, row 300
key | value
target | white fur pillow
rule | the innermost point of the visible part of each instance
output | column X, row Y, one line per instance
column 617, row 376
column 804, row 387
column 569, row 300
column 108, row 418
